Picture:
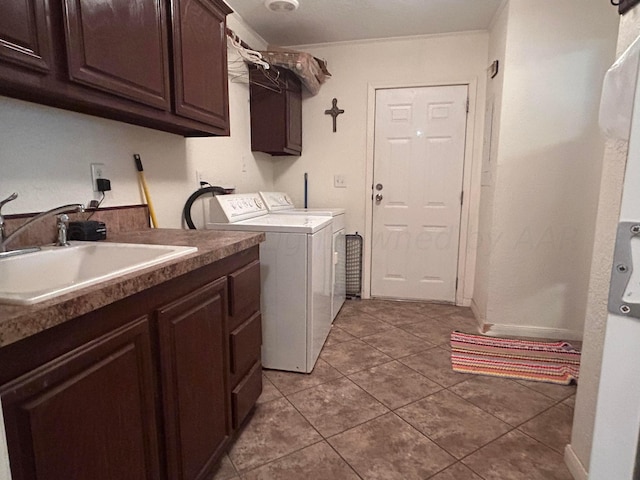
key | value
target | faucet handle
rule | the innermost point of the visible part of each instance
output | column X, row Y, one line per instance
column 10, row 198
column 63, row 225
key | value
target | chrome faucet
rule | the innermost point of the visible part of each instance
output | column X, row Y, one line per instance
column 62, row 240
column 10, row 198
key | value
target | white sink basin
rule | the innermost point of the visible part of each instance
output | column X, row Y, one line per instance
column 53, row 271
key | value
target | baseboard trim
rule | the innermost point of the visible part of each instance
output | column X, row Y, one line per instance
column 574, row 465
column 496, row 330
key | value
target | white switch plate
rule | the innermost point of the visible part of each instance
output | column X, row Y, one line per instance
column 339, row 181
column 97, row 171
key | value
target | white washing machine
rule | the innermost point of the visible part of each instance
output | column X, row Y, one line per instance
column 295, row 264
column 280, row 203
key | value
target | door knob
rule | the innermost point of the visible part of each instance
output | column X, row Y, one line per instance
column 378, row 198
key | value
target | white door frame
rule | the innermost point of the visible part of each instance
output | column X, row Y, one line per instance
column 470, row 182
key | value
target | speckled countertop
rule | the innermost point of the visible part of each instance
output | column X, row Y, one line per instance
column 18, row 322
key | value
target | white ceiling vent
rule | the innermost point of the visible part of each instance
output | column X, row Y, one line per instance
column 281, row 5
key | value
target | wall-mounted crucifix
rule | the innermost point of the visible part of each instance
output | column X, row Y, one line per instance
column 334, row 111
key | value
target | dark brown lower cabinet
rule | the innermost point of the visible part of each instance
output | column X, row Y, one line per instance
column 73, row 416
column 149, row 387
column 192, row 339
column 245, row 340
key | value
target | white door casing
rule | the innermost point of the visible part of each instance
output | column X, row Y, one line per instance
column 419, row 151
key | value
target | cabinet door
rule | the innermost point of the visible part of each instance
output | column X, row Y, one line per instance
column 88, row 415
column 119, row 46
column 294, row 114
column 25, row 34
column 193, row 357
column 276, row 115
column 200, row 60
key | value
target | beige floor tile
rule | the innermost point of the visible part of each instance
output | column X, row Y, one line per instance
column 570, row 402
column 338, row 335
column 516, row 456
column 317, row 462
column 387, row 448
column 351, row 357
column 551, row 390
column 353, row 412
column 394, row 384
column 508, row 400
column 394, row 312
column 349, row 306
column 269, row 391
column 456, row 472
column 291, row 382
column 436, row 332
column 553, row 427
column 224, row 470
column 275, row 430
column 397, row 343
column 435, row 364
column 463, row 321
column 335, row 406
column 453, row 423
column 438, row 310
column 360, row 324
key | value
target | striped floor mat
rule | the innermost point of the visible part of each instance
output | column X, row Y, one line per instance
column 553, row 362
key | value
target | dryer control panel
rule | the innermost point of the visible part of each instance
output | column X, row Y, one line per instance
column 236, row 207
column 277, row 201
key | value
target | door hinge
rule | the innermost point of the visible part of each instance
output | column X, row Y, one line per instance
column 456, row 284
column 461, row 197
column 467, row 104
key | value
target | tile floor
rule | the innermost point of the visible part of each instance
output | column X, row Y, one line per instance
column 383, row 403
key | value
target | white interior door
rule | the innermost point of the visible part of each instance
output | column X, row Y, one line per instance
column 417, row 176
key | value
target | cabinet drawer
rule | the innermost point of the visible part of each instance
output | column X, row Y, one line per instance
column 245, row 347
column 244, row 293
column 244, row 396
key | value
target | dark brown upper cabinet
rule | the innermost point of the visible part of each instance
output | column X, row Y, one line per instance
column 120, row 47
column 24, row 34
column 155, row 63
column 200, row 60
column 276, row 112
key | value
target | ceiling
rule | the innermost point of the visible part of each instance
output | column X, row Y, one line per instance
column 323, row 21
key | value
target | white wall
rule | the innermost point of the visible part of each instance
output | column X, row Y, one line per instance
column 493, row 107
column 46, row 154
column 612, row 176
column 357, row 67
column 549, row 157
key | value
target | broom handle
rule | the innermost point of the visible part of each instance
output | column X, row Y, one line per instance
column 143, row 182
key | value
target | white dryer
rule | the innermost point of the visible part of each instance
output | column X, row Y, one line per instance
column 280, row 203
column 295, row 264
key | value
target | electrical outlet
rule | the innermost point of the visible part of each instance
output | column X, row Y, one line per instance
column 97, row 171
column 339, row 181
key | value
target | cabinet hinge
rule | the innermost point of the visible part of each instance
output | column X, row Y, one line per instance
column 461, row 197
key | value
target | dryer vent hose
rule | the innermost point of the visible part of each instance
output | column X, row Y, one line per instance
column 186, row 211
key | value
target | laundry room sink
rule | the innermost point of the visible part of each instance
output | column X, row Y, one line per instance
column 53, row 271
